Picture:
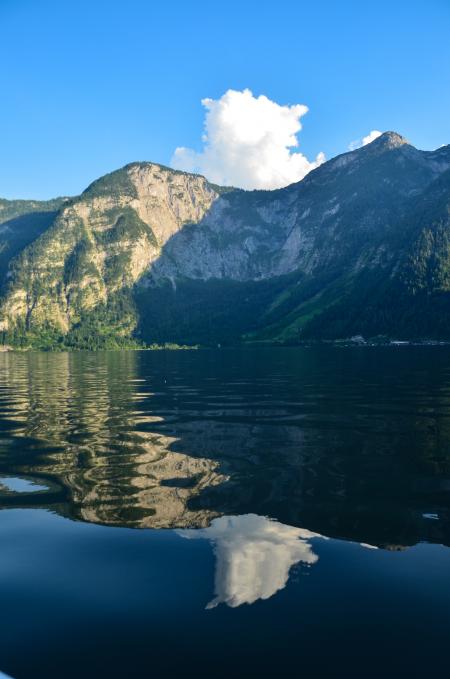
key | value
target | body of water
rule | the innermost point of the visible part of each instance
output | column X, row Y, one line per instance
column 239, row 512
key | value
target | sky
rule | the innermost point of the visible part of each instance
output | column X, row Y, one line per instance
column 251, row 93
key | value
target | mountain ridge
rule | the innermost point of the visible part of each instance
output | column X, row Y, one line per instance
column 144, row 249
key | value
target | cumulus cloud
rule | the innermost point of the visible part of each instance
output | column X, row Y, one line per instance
column 373, row 134
column 248, row 142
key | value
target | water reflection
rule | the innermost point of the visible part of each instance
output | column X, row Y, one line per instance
column 345, row 444
column 19, row 485
column 78, row 422
column 253, row 556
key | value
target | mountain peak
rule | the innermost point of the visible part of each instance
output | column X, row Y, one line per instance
column 389, row 140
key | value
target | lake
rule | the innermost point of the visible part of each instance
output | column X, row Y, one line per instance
column 223, row 513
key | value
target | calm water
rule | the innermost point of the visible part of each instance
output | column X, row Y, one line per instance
column 225, row 513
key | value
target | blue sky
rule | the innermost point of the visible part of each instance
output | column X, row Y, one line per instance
column 89, row 86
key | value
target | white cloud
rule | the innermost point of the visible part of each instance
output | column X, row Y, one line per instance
column 374, row 134
column 248, row 143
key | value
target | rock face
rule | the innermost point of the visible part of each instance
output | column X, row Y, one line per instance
column 167, row 256
column 101, row 243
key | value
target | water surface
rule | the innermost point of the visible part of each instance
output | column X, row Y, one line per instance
column 225, row 513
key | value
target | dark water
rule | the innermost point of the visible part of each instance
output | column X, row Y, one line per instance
column 238, row 513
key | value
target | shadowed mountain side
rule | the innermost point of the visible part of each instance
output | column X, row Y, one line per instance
column 314, row 439
column 21, row 222
column 393, row 280
column 412, row 299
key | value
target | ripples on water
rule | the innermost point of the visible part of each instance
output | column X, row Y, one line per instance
column 263, row 454
column 174, row 440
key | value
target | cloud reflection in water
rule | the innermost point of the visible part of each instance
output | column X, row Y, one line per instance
column 254, row 555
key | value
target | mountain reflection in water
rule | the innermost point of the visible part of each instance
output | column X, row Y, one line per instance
column 349, row 443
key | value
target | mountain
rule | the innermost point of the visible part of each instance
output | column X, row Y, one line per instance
column 360, row 246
